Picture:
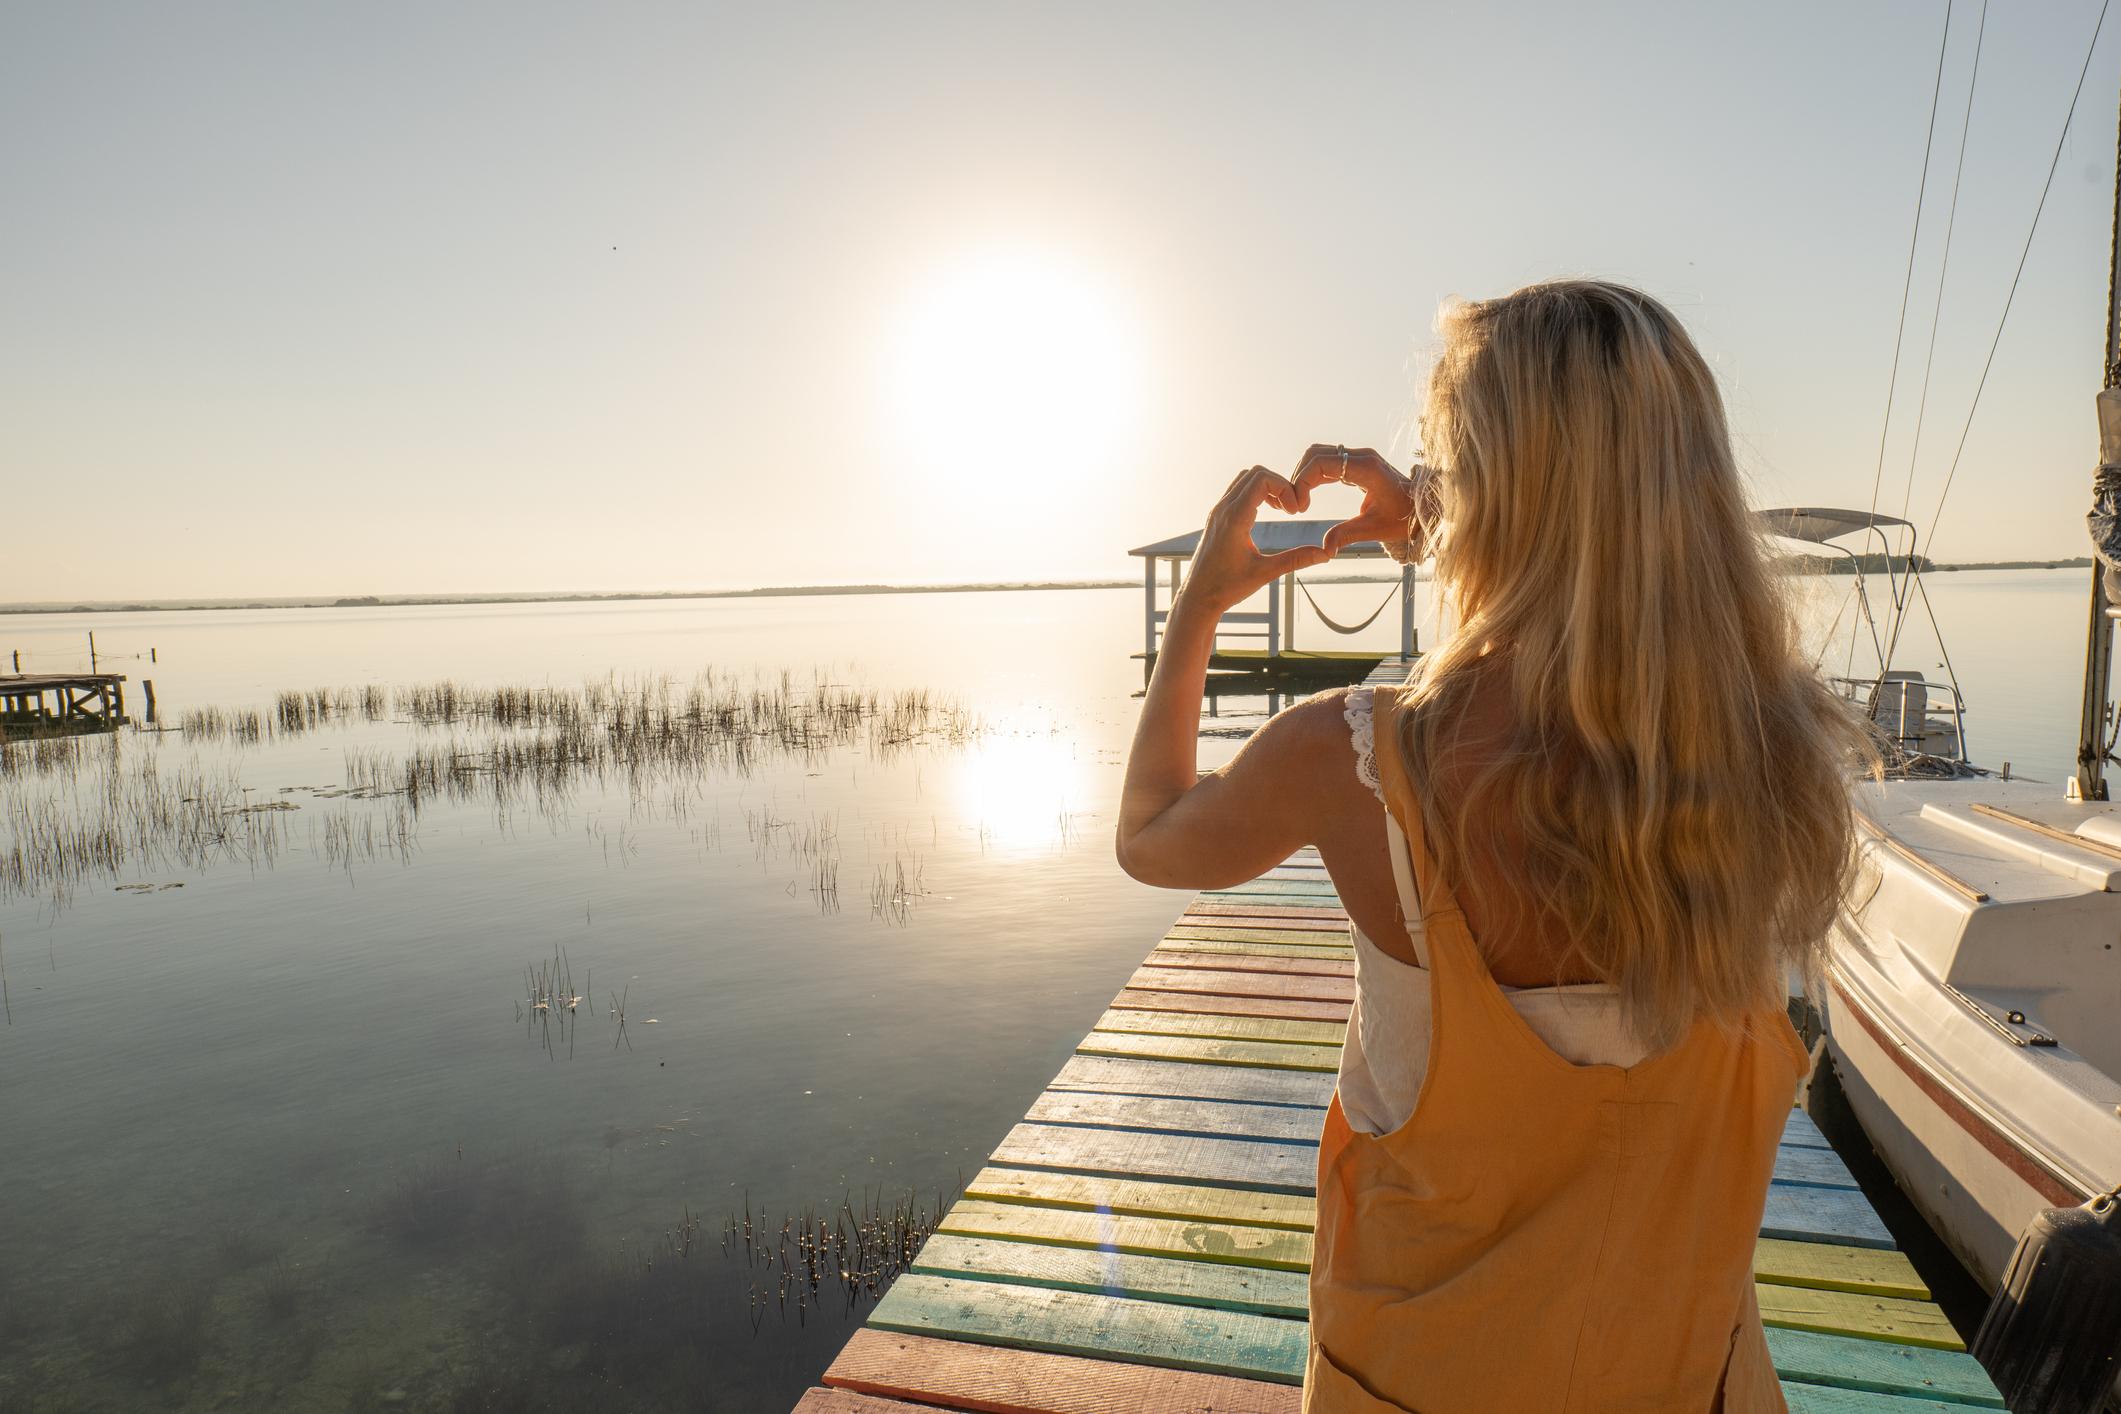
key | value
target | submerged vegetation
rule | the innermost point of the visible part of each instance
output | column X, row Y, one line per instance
column 76, row 809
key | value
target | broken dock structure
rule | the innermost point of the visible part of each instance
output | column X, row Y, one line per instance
column 69, row 699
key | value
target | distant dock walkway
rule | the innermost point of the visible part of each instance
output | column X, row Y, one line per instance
column 72, row 696
column 1141, row 1241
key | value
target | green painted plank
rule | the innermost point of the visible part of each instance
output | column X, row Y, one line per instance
column 1291, row 890
column 1316, row 963
column 1821, row 1168
column 1218, row 1286
column 1242, row 1163
column 1111, row 1327
column 1889, row 1318
column 1217, row 1004
column 1213, row 1118
column 1848, row 1363
column 1227, row 1028
column 1805, row 1214
column 1179, row 1080
column 1235, row 983
column 1295, row 937
column 1296, row 871
column 1196, row 1240
column 1141, row 1197
column 1835, row 1268
column 1330, row 917
column 1204, row 1051
column 1825, row 1399
column 1233, row 947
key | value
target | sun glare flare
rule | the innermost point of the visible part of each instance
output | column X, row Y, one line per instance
column 1020, row 791
column 1014, row 379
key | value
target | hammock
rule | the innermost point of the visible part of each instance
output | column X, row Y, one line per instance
column 1334, row 624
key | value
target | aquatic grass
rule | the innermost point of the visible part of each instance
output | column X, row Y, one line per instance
column 288, row 1289
column 158, row 1328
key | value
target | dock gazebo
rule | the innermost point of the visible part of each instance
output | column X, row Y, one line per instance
column 1278, row 656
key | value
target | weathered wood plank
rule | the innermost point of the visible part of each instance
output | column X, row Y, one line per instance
column 1211, row 1118
column 1241, row 1163
column 1283, row 914
column 1292, row 889
column 1239, row 948
column 1219, row 1286
column 1141, row 1197
column 1888, row 1318
column 1193, row 1239
column 845, row 1401
column 1849, row 1363
column 1314, row 965
column 1825, row 1399
column 1297, row 871
column 1228, row 1028
column 1072, row 1323
column 1835, row 1268
column 1223, row 982
column 1821, row 1168
column 1800, row 1131
column 1301, row 937
column 1209, row 1002
column 1177, row 1079
column 999, row 1381
column 1207, row 1051
column 1805, row 1214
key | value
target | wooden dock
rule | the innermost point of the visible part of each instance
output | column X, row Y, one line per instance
column 74, row 697
column 1141, row 1240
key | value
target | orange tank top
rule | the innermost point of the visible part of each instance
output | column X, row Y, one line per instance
column 1542, row 1236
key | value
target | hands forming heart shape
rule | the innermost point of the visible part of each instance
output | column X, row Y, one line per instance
column 1395, row 508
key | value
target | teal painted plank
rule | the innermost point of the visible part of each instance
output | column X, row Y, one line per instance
column 1806, row 1214
column 1825, row 1399
column 1214, row 1118
column 1821, row 1168
column 1213, row 1284
column 1111, row 1327
column 1274, row 1165
column 1179, row 1080
column 1800, row 1130
column 1808, row 1357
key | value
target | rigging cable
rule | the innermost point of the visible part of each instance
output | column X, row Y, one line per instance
column 1951, row 220
column 2008, row 300
column 1892, row 381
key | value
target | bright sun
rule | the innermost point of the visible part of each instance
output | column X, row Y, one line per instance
column 1013, row 379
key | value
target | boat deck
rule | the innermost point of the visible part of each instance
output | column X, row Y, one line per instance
column 1141, row 1240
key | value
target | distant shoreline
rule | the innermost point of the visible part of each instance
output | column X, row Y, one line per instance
column 404, row 601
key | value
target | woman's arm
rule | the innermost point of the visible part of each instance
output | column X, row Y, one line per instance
column 1176, row 829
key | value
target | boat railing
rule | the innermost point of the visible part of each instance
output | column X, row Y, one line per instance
column 1905, row 704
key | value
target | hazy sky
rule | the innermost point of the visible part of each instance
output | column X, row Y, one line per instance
column 302, row 298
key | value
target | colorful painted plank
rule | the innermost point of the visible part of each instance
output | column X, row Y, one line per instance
column 1204, row 908
column 1800, row 1130
column 1219, row 1285
column 1074, row 1323
column 1824, row 1399
column 1207, row 1051
column 1177, row 1079
column 1240, row 948
column 1888, row 1318
column 999, row 1381
column 1835, row 1268
column 1210, row 1118
column 1312, row 937
column 1140, row 1197
column 1849, row 1363
column 1294, row 1007
column 1223, row 982
column 1821, row 1168
column 1240, row 1163
column 1317, row 965
column 1805, row 1214
column 1192, row 1239
column 1229, row 1028
column 1293, row 891
column 1286, row 921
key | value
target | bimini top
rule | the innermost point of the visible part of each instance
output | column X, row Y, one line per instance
column 1269, row 538
column 1820, row 524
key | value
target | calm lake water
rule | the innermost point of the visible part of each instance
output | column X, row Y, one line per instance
column 295, row 1136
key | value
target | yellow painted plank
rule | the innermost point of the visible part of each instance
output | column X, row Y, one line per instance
column 1295, row 937
column 1228, row 1028
column 1235, row 1243
column 1205, row 1051
column 1217, row 947
column 1830, row 1267
column 1886, row 1318
column 1141, row 1197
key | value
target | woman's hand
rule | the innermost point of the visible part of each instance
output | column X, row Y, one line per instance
column 1227, row 568
column 1396, row 509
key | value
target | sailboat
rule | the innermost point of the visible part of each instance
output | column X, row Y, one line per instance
column 1971, row 1000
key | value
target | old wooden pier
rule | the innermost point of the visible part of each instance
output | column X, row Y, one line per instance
column 74, row 698
column 1141, row 1240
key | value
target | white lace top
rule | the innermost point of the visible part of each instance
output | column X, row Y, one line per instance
column 1387, row 1052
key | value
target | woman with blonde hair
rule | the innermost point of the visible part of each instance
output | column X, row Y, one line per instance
column 1581, row 852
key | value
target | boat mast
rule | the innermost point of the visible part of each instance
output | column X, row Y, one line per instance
column 2090, row 783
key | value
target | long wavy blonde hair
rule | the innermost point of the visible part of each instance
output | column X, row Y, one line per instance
column 1673, row 792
